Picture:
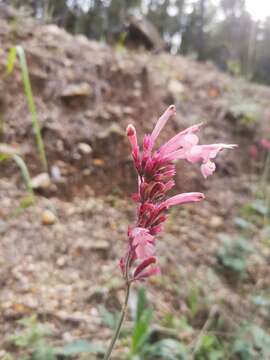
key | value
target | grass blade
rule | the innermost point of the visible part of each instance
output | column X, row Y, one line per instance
column 11, row 60
column 31, row 105
column 25, row 173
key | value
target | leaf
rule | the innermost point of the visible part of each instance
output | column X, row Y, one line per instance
column 142, row 323
column 243, row 224
column 25, row 173
column 141, row 331
column 32, row 106
column 80, row 347
column 141, row 303
column 260, row 301
column 11, row 60
column 108, row 318
column 168, row 349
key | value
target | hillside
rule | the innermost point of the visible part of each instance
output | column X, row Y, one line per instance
column 86, row 93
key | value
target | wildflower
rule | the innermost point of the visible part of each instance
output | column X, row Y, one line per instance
column 265, row 143
column 253, row 151
column 156, row 169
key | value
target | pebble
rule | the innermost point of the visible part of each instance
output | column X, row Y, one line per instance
column 48, row 217
column 216, row 222
column 83, row 89
column 41, row 181
column 84, row 148
column 176, row 87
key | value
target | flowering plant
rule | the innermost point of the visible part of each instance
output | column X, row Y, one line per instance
column 155, row 170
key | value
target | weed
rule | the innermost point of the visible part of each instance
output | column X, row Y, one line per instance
column 232, row 256
column 18, row 50
column 6, row 154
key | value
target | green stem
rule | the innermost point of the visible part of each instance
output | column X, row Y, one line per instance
column 119, row 325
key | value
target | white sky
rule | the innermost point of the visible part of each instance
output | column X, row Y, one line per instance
column 259, row 9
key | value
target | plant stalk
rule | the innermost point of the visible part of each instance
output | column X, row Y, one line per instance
column 119, row 325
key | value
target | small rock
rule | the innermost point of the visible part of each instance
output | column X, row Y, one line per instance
column 56, row 174
column 216, row 222
column 48, row 217
column 67, row 337
column 83, row 89
column 176, row 87
column 61, row 261
column 99, row 162
column 41, row 181
column 85, row 148
column 113, row 129
column 100, row 245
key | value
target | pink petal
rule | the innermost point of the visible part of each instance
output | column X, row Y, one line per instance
column 194, row 154
column 144, row 264
column 146, row 274
column 144, row 250
column 211, row 151
column 175, row 142
column 162, row 121
column 184, row 198
column 208, row 168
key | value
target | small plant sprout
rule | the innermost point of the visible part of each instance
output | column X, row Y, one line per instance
column 155, row 170
column 18, row 50
column 7, row 153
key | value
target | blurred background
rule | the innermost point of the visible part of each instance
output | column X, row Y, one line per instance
column 73, row 75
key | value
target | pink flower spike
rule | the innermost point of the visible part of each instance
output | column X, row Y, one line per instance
column 161, row 122
column 144, row 264
column 184, row 198
column 208, row 168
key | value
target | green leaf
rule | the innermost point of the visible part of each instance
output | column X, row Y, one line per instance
column 108, row 318
column 260, row 301
column 141, row 331
column 141, row 303
column 80, row 347
column 168, row 349
column 25, row 173
column 32, row 106
column 243, row 224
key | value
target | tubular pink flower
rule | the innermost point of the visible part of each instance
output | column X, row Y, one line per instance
column 184, row 198
column 132, row 136
column 171, row 110
column 203, row 153
column 207, row 152
column 146, row 274
column 144, row 264
column 177, row 141
column 265, row 143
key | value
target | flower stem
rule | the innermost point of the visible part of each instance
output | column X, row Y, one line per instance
column 119, row 325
